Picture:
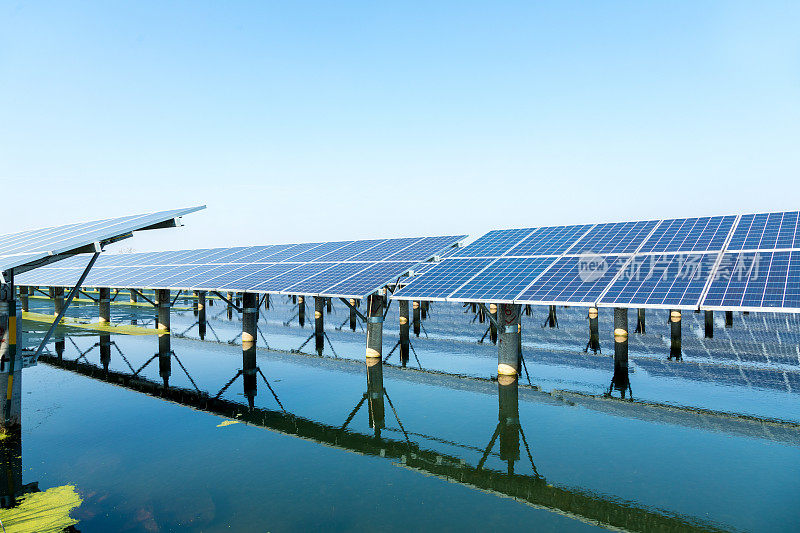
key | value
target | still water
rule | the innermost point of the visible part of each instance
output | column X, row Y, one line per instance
column 326, row 442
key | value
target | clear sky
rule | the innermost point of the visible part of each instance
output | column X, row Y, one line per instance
column 299, row 121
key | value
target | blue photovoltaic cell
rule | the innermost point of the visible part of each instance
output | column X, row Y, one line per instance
column 553, row 240
column 704, row 234
column 224, row 277
column 213, row 253
column 572, row 280
column 279, row 283
column 186, row 272
column 262, row 254
column 442, row 280
column 614, row 238
column 756, row 279
column 766, row 231
column 425, row 248
column 156, row 279
column 345, row 253
column 318, row 251
column 495, row 243
column 291, row 250
column 662, row 279
column 368, row 281
column 503, row 280
column 386, row 249
column 319, row 282
column 189, row 279
column 234, row 255
column 267, row 272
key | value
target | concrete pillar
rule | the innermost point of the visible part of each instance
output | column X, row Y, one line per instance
column 492, row 327
column 508, row 347
column 301, row 311
column 375, row 305
column 424, row 307
column 105, row 351
column 230, row 307
column 249, row 339
column 58, row 299
column 621, row 380
column 552, row 320
column 481, row 315
column 405, row 343
column 508, row 418
column 329, row 305
column 31, row 291
column 23, row 298
column 415, row 309
column 377, row 419
column 319, row 324
column 594, row 331
column 162, row 303
column 528, row 310
column 201, row 314
column 162, row 323
column 104, row 299
column 10, row 360
column 709, row 333
column 675, row 335
column 353, row 315
column 134, row 297
column 640, row 323
column 266, row 302
column 728, row 319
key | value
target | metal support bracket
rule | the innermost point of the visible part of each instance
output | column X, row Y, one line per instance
column 492, row 319
column 358, row 313
column 238, row 309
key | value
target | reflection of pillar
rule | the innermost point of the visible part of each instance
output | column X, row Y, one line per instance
column 230, row 307
column 728, row 319
column 249, row 325
column 105, row 351
column 594, row 331
column 709, row 333
column 60, row 345
column 353, row 315
column 404, row 325
column 11, row 467
column 492, row 327
column 621, row 379
column 675, row 335
column 640, row 325
column 377, row 412
column 552, row 320
column 58, row 299
column 301, row 311
column 416, row 316
column 319, row 324
column 10, row 360
column 508, row 417
column 104, row 300
column 201, row 314
column 508, row 347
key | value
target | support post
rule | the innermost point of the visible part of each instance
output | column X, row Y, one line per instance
column 709, row 333
column 594, row 331
column 201, row 314
column 164, row 350
column 424, row 306
column 319, row 324
column 58, row 300
column 405, row 343
column 104, row 301
column 10, row 360
column 328, row 305
column 640, row 322
column 509, row 345
column 249, row 325
column 728, row 319
column 492, row 327
column 374, row 355
column 133, row 297
column 675, row 335
column 23, row 299
column 353, row 315
column 301, row 311
column 621, row 380
column 508, row 418
column 230, row 307
column 415, row 308
column 552, row 320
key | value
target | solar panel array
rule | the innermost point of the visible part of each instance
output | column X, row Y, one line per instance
column 19, row 251
column 747, row 262
column 347, row 269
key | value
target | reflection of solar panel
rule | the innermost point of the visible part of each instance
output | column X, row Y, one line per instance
column 28, row 249
column 347, row 268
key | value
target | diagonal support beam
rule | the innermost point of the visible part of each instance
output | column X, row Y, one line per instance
column 489, row 316
column 143, row 297
column 238, row 309
column 357, row 312
column 71, row 296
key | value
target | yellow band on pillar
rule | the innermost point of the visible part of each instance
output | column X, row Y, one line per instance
column 373, row 353
column 592, row 312
column 506, row 379
column 619, row 332
column 12, row 330
column 506, row 370
column 675, row 316
column 415, row 305
column 317, row 314
column 403, row 321
column 492, row 308
column 10, row 386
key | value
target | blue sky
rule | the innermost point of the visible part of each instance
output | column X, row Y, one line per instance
column 300, row 121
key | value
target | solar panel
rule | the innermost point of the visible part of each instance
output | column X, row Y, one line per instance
column 662, row 280
column 766, row 231
column 386, row 249
column 442, row 280
column 752, row 280
column 553, row 240
column 495, row 243
column 424, row 249
column 317, row 283
column 503, row 280
column 279, row 284
column 23, row 250
column 690, row 235
column 369, row 280
column 614, row 238
column 572, row 280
